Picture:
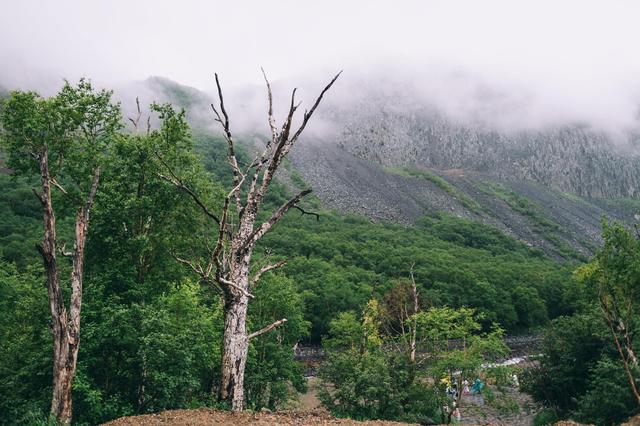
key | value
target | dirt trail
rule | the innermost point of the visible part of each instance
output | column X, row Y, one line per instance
column 206, row 416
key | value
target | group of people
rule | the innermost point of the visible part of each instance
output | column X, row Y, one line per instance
column 451, row 389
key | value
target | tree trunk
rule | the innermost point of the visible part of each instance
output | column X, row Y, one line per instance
column 65, row 327
column 234, row 353
column 62, row 376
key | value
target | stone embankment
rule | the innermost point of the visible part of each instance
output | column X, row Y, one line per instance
column 521, row 348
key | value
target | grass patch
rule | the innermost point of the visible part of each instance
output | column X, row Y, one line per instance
column 542, row 225
column 441, row 183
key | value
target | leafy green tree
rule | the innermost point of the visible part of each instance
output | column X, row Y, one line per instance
column 62, row 139
column 572, row 346
column 614, row 275
column 580, row 375
column 363, row 380
column 437, row 329
column 607, row 399
column 136, row 288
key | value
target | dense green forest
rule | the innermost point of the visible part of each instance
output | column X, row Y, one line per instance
column 151, row 333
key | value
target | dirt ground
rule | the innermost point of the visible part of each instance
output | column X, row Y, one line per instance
column 205, row 416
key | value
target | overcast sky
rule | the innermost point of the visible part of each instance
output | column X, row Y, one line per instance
column 580, row 57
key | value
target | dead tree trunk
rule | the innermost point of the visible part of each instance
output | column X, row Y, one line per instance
column 65, row 326
column 414, row 325
column 234, row 353
column 229, row 263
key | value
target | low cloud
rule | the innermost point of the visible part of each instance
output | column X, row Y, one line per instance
column 500, row 64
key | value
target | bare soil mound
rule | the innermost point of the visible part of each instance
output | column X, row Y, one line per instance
column 206, row 416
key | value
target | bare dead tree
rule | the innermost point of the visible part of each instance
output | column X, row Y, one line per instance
column 229, row 262
column 400, row 320
column 414, row 325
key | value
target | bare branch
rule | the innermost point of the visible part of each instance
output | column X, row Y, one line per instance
column 264, row 157
column 307, row 115
column 285, row 142
column 237, row 173
column 178, row 183
column 55, row 183
column 94, row 189
column 304, row 212
column 267, row 328
column 234, row 285
column 62, row 250
column 40, row 197
column 136, row 121
column 272, row 121
column 265, row 269
column 194, row 266
column 220, row 242
column 259, row 232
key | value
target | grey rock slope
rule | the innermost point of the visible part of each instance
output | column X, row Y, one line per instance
column 572, row 158
column 558, row 222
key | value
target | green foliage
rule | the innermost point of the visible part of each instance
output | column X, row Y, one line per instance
column 615, row 277
column 607, row 399
column 74, row 128
column 151, row 334
column 571, row 347
column 362, row 380
column 25, row 352
column 580, row 375
column 437, row 329
column 541, row 223
column 272, row 375
column 339, row 262
column 20, row 220
column 369, row 374
column 545, row 417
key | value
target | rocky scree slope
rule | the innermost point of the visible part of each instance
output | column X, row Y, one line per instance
column 549, row 188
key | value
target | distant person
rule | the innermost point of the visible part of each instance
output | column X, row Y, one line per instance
column 465, row 387
column 477, row 386
column 456, row 416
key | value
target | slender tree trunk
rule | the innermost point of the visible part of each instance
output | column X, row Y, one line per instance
column 65, row 325
column 624, row 359
column 414, row 330
column 62, row 377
